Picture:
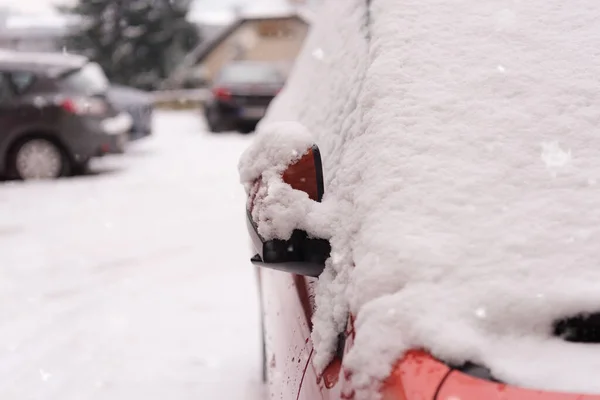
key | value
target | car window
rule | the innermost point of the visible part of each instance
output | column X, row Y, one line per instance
column 6, row 92
column 250, row 74
column 21, row 80
column 90, row 79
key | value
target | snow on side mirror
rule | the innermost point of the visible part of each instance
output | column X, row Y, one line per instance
column 300, row 254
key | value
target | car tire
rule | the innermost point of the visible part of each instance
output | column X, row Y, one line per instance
column 38, row 158
column 81, row 168
column 214, row 120
column 247, row 128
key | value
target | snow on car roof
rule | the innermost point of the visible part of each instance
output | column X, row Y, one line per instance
column 460, row 147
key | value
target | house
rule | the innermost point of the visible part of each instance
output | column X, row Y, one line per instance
column 275, row 37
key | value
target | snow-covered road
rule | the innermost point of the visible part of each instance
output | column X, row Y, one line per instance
column 133, row 283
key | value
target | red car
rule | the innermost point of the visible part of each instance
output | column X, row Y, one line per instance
column 287, row 271
column 454, row 106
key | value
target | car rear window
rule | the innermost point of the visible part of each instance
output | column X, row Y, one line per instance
column 90, row 79
column 21, row 80
column 250, row 74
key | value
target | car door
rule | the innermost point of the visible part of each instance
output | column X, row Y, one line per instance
column 287, row 271
column 329, row 385
column 6, row 99
column 7, row 114
column 287, row 332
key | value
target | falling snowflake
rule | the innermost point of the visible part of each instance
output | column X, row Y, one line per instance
column 592, row 182
column 319, row 54
column 501, row 69
column 554, row 156
column 45, row 375
column 481, row 312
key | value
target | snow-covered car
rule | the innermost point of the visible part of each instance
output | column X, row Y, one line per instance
column 423, row 203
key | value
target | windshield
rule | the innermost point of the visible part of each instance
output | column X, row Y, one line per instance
column 251, row 73
column 89, row 79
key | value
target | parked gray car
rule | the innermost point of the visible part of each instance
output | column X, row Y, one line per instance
column 138, row 104
column 55, row 115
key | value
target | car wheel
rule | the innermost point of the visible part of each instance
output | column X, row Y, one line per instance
column 247, row 128
column 38, row 158
column 214, row 120
column 81, row 168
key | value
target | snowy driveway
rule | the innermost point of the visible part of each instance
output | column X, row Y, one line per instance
column 133, row 283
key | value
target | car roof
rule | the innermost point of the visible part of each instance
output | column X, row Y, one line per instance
column 51, row 64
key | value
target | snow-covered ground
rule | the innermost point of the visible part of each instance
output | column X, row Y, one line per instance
column 133, row 283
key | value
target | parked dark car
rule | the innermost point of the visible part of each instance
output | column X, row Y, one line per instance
column 241, row 94
column 138, row 104
column 55, row 115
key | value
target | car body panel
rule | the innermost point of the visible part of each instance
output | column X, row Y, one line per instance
column 288, row 304
column 465, row 387
column 416, row 376
column 287, row 333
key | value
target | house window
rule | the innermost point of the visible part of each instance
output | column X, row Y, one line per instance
column 21, row 80
column 274, row 29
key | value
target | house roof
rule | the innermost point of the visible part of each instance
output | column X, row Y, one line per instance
column 220, row 35
column 206, row 47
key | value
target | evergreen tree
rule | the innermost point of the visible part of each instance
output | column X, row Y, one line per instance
column 137, row 42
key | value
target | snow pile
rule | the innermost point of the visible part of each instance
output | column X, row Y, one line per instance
column 460, row 153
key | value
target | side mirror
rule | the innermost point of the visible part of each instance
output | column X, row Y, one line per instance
column 300, row 254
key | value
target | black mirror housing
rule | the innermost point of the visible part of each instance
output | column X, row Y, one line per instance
column 301, row 254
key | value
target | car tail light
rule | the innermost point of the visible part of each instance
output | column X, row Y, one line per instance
column 222, row 93
column 84, row 106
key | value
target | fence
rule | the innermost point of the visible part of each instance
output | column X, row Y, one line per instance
column 191, row 98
